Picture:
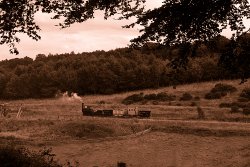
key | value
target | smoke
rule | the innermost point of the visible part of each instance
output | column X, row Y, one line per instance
column 67, row 96
column 76, row 97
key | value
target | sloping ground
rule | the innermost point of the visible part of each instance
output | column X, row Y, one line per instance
column 160, row 150
column 105, row 141
column 160, row 141
column 95, row 128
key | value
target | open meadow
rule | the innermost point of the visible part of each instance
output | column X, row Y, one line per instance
column 194, row 131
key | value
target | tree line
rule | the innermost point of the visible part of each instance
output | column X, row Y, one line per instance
column 119, row 70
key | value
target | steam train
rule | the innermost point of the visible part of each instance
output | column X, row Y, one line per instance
column 125, row 113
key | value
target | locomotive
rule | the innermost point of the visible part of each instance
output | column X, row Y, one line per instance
column 125, row 113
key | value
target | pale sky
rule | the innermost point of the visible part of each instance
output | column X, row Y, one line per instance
column 96, row 34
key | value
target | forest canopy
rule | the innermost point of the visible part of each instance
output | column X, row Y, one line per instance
column 115, row 71
column 188, row 24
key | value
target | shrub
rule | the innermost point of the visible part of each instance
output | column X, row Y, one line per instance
column 224, row 88
column 220, row 90
column 186, row 97
column 150, row 97
column 22, row 157
column 235, row 109
column 243, row 99
column 246, row 111
column 197, row 98
column 214, row 95
column 193, row 104
column 237, row 104
column 245, row 94
column 133, row 99
column 178, row 104
column 225, row 105
column 165, row 97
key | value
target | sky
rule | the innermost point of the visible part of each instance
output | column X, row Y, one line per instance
column 95, row 34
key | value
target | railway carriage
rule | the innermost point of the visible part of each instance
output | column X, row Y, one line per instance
column 126, row 113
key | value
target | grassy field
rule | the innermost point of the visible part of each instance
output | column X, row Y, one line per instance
column 173, row 136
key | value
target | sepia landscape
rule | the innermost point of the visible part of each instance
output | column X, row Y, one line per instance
column 196, row 124
column 124, row 83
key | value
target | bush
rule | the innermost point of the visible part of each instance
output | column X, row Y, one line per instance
column 243, row 99
column 193, row 104
column 225, row 105
column 235, row 109
column 11, row 156
column 150, row 97
column 224, row 88
column 165, row 97
column 197, row 98
column 162, row 96
column 245, row 94
column 237, row 104
column 186, row 97
column 246, row 111
column 133, row 99
column 214, row 95
column 178, row 104
column 220, row 90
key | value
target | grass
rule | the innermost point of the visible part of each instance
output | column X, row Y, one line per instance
column 54, row 109
column 59, row 122
column 100, row 128
column 42, row 116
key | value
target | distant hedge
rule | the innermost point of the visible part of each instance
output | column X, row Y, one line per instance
column 162, row 96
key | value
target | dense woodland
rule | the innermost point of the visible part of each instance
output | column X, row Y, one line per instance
column 100, row 72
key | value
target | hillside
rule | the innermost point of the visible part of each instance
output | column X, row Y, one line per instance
column 115, row 71
column 172, row 135
column 219, row 108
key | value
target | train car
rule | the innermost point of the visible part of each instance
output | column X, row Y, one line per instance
column 125, row 113
column 144, row 114
column 118, row 113
column 87, row 111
